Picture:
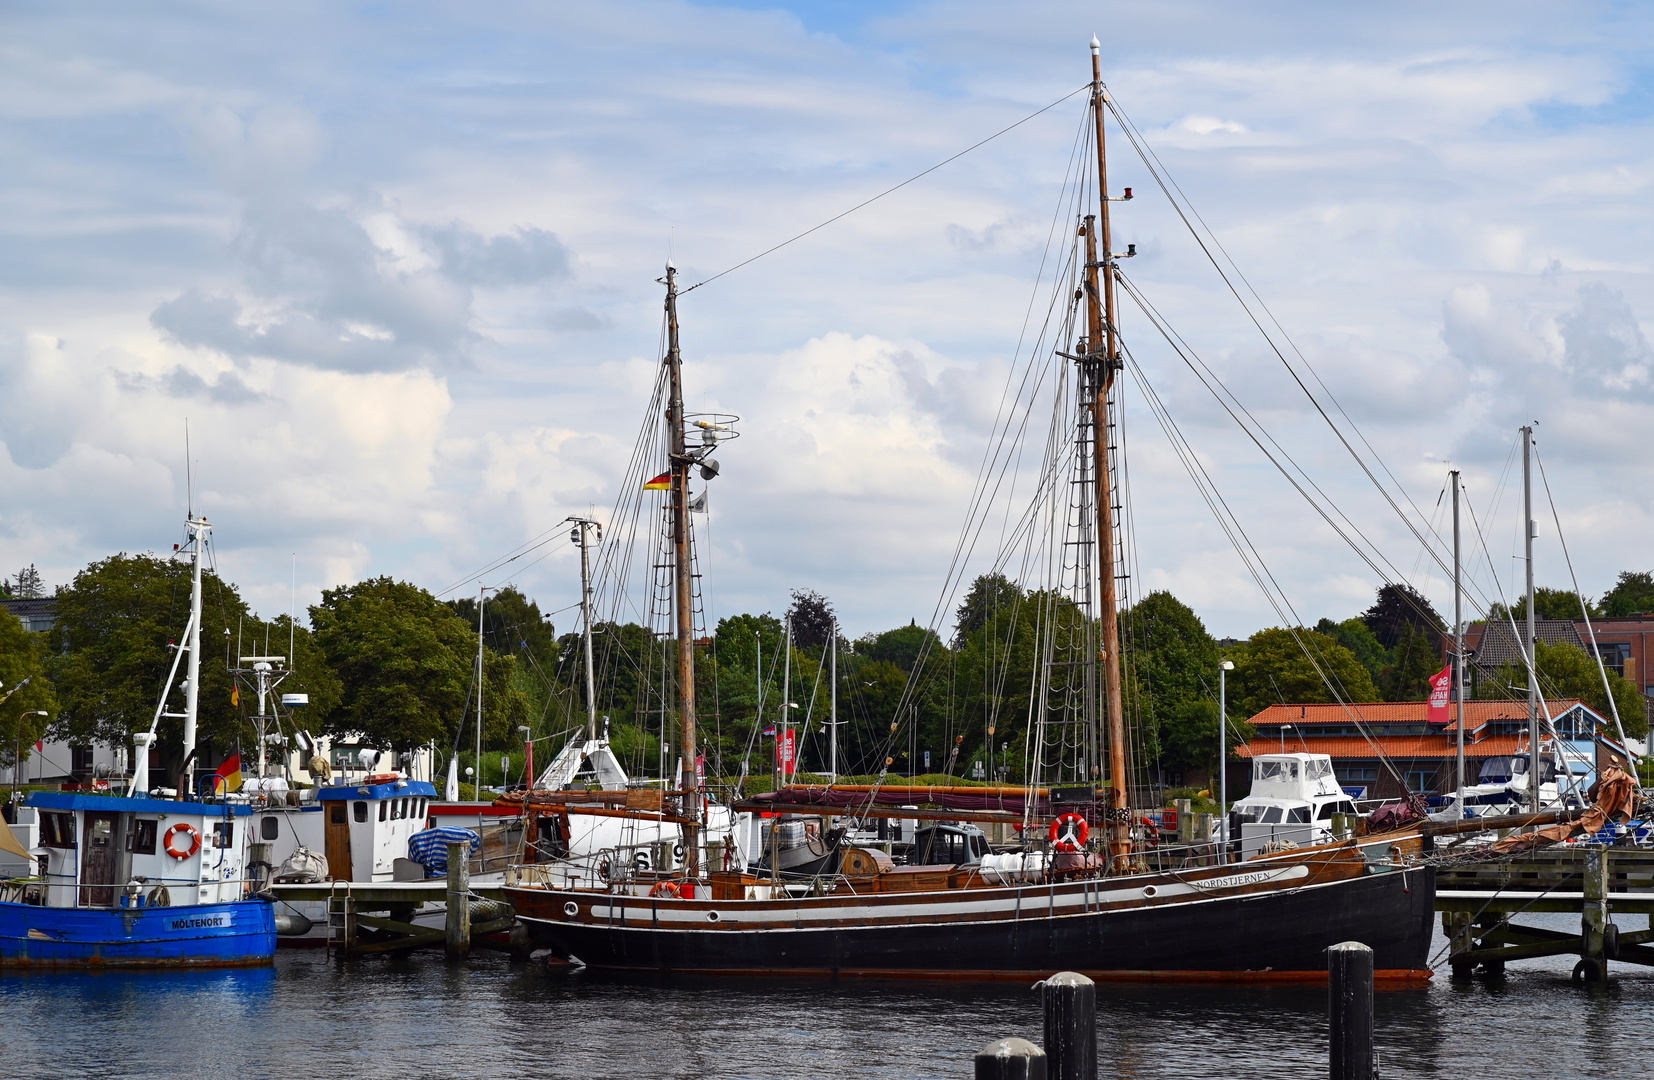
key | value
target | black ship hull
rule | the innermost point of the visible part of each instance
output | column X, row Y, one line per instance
column 1278, row 935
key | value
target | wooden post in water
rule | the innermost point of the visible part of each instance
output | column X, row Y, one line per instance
column 1010, row 1059
column 458, row 941
column 1070, row 1026
column 1350, row 1011
column 1593, row 917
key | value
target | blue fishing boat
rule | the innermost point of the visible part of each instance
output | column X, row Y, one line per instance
column 131, row 880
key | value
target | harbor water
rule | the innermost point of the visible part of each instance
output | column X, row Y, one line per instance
column 490, row 1017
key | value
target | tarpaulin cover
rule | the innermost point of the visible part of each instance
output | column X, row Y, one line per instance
column 430, row 847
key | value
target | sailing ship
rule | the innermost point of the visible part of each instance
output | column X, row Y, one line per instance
column 1110, row 907
column 139, row 881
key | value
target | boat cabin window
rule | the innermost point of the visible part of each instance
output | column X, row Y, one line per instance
column 1315, row 770
column 1342, row 806
column 223, row 834
column 141, row 839
column 269, row 828
column 361, row 809
column 1298, row 815
column 102, row 832
column 1271, row 815
column 1277, row 771
column 384, row 809
column 57, row 830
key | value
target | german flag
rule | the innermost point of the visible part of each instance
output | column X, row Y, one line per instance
column 663, row 482
column 229, row 773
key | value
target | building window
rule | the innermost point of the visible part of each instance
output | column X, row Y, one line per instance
column 1355, row 774
column 1421, row 780
column 80, row 760
column 1614, row 655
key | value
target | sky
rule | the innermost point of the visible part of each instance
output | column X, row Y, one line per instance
column 396, row 266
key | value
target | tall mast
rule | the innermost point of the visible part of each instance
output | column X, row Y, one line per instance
column 1529, row 651
column 476, row 789
column 1458, row 640
column 580, row 537
column 1100, row 366
column 681, row 572
column 832, row 681
column 192, row 673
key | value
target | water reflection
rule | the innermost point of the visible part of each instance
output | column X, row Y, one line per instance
column 492, row 1018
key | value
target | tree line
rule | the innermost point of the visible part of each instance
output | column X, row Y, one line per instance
column 388, row 663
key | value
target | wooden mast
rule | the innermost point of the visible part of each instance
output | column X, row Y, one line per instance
column 1103, row 361
column 681, row 574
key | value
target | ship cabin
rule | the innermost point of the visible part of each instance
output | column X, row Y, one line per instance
column 99, row 851
column 361, row 827
column 949, row 845
column 1293, row 800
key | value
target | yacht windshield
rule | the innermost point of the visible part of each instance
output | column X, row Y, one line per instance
column 1277, row 770
column 1271, row 814
column 1315, row 770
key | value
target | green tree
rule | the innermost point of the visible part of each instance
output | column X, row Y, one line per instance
column 1397, row 606
column 1271, row 667
column 1357, row 637
column 1547, row 604
column 22, row 656
column 812, row 619
column 1633, row 592
column 1407, row 677
column 989, row 594
column 904, row 646
column 113, row 643
column 404, row 662
column 1171, row 667
column 1567, row 671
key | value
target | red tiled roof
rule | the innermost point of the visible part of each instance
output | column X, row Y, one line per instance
column 1400, row 747
column 1401, row 712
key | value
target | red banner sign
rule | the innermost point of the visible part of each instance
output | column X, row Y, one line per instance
column 1441, row 690
column 786, row 752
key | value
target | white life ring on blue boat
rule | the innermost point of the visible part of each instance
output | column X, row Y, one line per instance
column 188, row 830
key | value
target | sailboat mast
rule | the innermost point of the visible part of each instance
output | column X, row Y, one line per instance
column 1529, row 650
column 681, row 572
column 1103, row 363
column 832, row 681
column 476, row 791
column 192, row 673
column 1458, row 639
column 581, row 525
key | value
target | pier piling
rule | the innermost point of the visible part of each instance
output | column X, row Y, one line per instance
column 1350, row 1010
column 458, row 941
column 1070, row 1026
column 1011, row 1059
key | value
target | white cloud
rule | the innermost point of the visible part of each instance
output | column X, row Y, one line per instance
column 399, row 274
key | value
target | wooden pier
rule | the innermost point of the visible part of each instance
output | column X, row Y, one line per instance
column 1604, row 884
column 367, row 918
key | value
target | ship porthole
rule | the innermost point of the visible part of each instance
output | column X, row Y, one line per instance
column 1149, row 890
column 712, row 916
column 571, row 909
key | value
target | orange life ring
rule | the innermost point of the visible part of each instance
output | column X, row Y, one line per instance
column 194, row 841
column 665, row 890
column 1069, row 832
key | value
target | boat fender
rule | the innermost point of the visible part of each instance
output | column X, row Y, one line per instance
column 666, row 890
column 1070, row 832
column 294, row 925
column 192, row 842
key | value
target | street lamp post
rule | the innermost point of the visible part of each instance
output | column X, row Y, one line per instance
column 17, row 749
column 1223, row 753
